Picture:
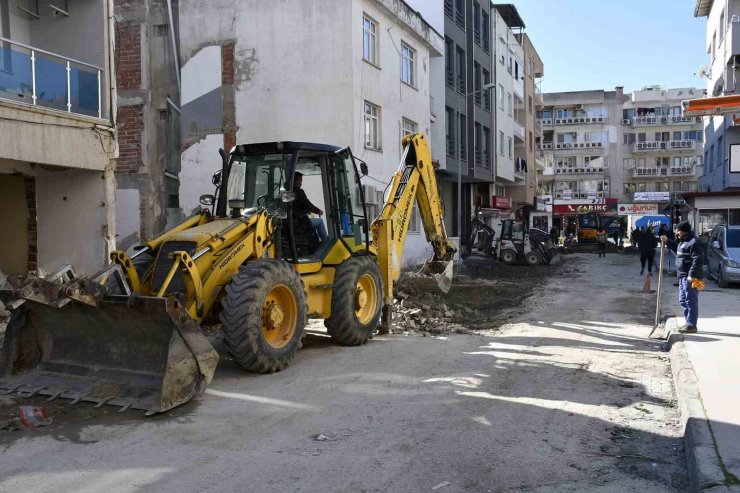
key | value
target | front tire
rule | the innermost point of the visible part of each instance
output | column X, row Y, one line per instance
column 356, row 301
column 721, row 281
column 508, row 257
column 532, row 258
column 263, row 315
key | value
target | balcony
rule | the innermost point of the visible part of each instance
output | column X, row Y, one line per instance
column 48, row 80
column 663, row 171
column 578, row 170
column 518, row 130
column 545, row 146
column 681, row 120
column 460, row 84
column 664, row 146
column 518, row 86
column 579, row 146
column 545, row 122
column 653, row 120
column 450, row 79
column 580, row 195
column 448, row 8
column 581, row 120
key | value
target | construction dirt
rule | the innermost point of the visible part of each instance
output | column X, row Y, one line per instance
column 485, row 294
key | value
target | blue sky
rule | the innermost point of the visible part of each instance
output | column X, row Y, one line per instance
column 599, row 44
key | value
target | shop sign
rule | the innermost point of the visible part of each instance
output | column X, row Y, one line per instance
column 501, row 202
column 609, row 205
column 567, row 194
column 652, row 196
column 637, row 209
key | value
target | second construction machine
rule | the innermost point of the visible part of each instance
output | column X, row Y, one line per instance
column 130, row 335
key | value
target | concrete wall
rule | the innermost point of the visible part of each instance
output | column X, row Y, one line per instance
column 199, row 162
column 504, row 122
column 14, row 240
column 18, row 23
column 72, row 220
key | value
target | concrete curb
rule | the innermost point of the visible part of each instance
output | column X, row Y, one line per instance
column 704, row 466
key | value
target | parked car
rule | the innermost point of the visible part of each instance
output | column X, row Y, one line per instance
column 723, row 255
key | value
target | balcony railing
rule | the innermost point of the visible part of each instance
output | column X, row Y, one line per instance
column 450, row 79
column 42, row 78
column 652, row 120
column 576, row 170
column 487, row 100
column 448, row 7
column 460, row 19
column 661, row 171
column 546, row 122
column 450, row 147
column 460, row 84
column 581, row 120
column 477, row 97
column 579, row 195
column 545, row 146
column 577, row 146
column 486, row 159
column 476, row 35
column 658, row 146
column 518, row 130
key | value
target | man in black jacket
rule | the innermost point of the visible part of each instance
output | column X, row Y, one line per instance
column 689, row 267
column 647, row 242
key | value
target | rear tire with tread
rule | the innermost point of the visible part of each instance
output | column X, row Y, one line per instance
column 721, row 281
column 242, row 315
column 508, row 256
column 343, row 325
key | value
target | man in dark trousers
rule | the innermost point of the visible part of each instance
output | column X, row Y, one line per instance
column 689, row 268
column 647, row 242
column 601, row 242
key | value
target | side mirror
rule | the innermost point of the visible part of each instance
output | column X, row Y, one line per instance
column 363, row 168
column 287, row 197
column 207, row 199
column 715, row 244
column 216, row 179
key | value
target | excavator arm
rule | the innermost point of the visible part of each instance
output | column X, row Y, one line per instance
column 415, row 180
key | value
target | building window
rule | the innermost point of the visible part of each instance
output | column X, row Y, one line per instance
column 478, row 146
column 510, row 101
column 486, row 93
column 477, row 83
column 501, row 95
column 476, row 22
column 450, row 131
column 460, row 60
column 486, row 31
column 408, row 127
column 529, row 104
column 370, row 40
column 449, row 63
column 372, row 126
column 408, row 65
column 511, row 148
column 502, row 49
column 463, row 138
column 501, row 138
column 486, row 147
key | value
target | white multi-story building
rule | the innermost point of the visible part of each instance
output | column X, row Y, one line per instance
column 600, row 147
column 350, row 73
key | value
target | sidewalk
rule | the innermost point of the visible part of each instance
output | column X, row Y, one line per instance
column 706, row 370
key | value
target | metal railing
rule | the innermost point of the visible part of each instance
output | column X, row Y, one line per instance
column 460, row 84
column 665, row 145
column 448, row 8
column 50, row 80
column 450, row 79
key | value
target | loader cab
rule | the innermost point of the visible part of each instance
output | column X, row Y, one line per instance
column 259, row 176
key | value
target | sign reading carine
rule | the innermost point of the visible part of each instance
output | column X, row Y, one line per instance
column 652, row 196
column 637, row 209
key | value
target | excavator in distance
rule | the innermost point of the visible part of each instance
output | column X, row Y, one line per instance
column 130, row 335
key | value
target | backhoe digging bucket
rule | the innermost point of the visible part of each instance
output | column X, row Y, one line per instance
column 441, row 271
column 128, row 351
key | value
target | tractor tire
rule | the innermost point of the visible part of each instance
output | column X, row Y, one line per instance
column 508, row 256
column 356, row 302
column 721, row 281
column 532, row 258
column 263, row 314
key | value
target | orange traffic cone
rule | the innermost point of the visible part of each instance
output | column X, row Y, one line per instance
column 646, row 287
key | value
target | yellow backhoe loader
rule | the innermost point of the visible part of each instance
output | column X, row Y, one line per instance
column 130, row 336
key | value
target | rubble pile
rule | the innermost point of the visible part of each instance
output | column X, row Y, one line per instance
column 419, row 306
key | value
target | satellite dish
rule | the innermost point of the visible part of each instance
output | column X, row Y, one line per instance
column 704, row 72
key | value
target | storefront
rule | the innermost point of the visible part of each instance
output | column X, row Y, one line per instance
column 575, row 215
column 708, row 209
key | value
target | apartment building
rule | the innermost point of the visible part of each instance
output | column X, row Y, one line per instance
column 718, row 199
column 57, row 140
column 601, row 148
column 468, row 170
column 354, row 73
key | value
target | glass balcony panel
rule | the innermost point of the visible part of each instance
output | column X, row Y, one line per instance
column 51, row 83
column 16, row 81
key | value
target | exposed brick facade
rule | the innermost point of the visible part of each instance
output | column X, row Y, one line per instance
column 130, row 126
column 228, row 106
column 31, row 227
column 128, row 55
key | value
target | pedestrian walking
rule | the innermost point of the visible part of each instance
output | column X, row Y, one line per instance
column 689, row 269
column 647, row 242
column 601, row 242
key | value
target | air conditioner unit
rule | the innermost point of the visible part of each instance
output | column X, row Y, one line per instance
column 599, row 194
column 370, row 194
column 579, row 106
column 625, row 121
column 600, row 170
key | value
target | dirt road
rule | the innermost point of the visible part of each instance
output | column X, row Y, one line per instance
column 572, row 397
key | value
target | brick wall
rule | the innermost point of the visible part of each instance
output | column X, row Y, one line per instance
column 128, row 55
column 32, row 263
column 130, row 126
column 228, row 105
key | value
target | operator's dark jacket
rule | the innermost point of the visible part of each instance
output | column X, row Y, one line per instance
column 689, row 256
column 302, row 206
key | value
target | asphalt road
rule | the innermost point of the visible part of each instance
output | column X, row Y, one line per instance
column 572, row 397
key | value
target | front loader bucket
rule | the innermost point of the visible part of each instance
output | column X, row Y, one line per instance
column 441, row 271
column 129, row 351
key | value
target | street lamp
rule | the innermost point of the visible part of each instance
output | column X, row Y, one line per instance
column 459, row 166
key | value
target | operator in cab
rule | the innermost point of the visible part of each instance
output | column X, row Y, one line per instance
column 302, row 207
